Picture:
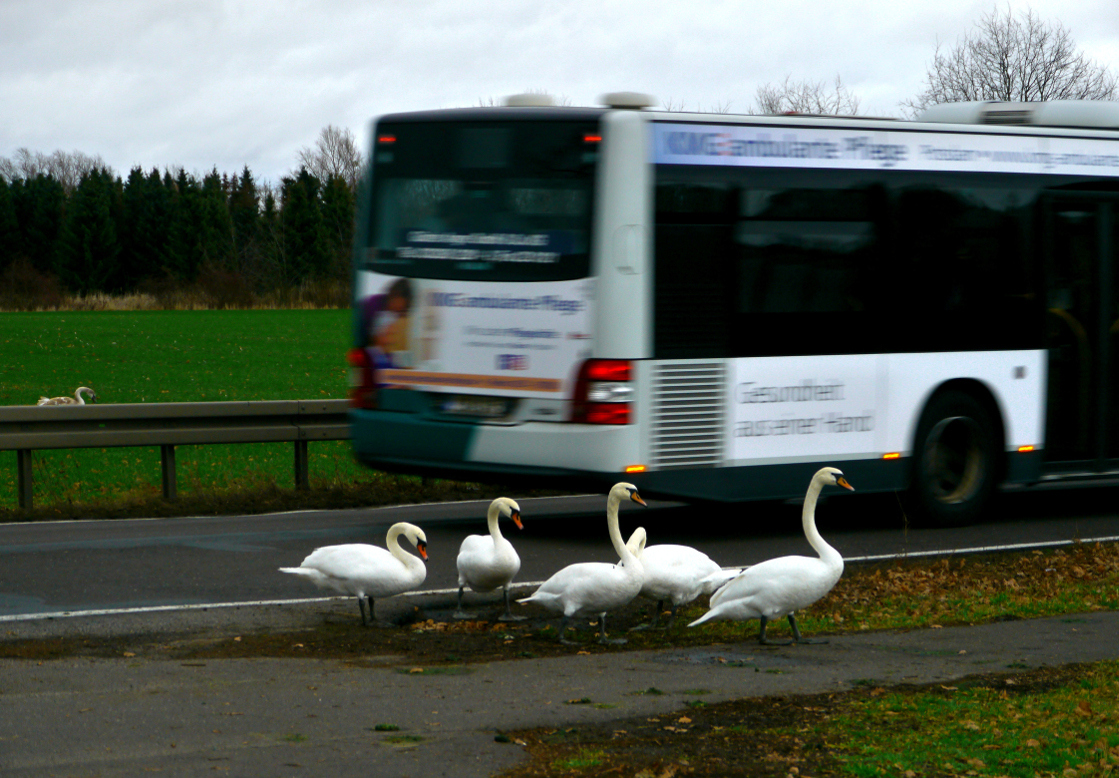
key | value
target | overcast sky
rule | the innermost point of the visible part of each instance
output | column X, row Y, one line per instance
column 228, row 83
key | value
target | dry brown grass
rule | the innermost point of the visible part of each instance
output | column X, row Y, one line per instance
column 22, row 288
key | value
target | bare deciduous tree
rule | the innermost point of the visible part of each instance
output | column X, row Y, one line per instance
column 677, row 106
column 67, row 168
column 334, row 154
column 813, row 97
column 498, row 102
column 1021, row 59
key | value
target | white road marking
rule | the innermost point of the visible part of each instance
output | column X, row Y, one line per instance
column 519, row 585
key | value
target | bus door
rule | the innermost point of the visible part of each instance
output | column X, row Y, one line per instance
column 1082, row 330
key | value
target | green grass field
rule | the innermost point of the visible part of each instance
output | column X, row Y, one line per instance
column 173, row 356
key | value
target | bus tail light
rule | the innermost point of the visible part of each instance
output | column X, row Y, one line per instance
column 363, row 379
column 603, row 392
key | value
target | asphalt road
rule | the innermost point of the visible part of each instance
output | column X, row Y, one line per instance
column 60, row 567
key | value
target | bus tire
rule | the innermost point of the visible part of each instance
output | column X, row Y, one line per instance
column 955, row 461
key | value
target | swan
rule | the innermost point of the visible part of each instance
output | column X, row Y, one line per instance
column 676, row 574
column 77, row 399
column 365, row 571
column 488, row 562
column 779, row 587
column 596, row 587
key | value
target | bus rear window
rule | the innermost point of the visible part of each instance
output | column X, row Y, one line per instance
column 490, row 201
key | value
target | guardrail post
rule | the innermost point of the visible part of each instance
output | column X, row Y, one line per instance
column 26, row 492
column 167, row 467
column 302, row 475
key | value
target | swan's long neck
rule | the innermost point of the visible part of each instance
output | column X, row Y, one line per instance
column 392, row 542
column 808, row 519
column 493, row 518
column 637, row 541
column 627, row 557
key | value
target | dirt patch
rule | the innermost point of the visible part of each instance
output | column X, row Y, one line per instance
column 422, row 638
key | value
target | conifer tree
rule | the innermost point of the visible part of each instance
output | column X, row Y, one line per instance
column 184, row 248
column 244, row 214
column 9, row 227
column 144, row 227
column 305, row 245
column 215, row 224
column 272, row 259
column 338, row 218
column 88, row 249
column 40, row 204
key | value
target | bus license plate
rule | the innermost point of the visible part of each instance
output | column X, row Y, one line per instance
column 479, row 407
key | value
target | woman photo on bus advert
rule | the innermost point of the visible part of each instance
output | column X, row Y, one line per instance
column 386, row 322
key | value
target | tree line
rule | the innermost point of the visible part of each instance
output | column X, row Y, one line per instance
column 69, row 221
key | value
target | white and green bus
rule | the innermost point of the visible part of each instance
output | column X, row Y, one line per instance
column 713, row 306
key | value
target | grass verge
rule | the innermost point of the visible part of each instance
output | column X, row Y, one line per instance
column 1051, row 722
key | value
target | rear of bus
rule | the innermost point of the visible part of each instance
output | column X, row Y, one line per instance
column 480, row 348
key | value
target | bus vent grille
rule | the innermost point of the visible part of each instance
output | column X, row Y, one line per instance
column 688, row 403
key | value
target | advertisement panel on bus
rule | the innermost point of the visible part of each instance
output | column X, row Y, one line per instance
column 476, row 337
column 785, row 406
column 864, row 149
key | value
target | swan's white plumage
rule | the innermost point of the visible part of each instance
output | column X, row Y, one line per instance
column 674, row 573
column 596, row 587
column 780, row 587
column 488, row 562
column 367, row 572
column 77, row 399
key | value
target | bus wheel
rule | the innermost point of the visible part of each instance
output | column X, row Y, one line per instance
column 955, row 461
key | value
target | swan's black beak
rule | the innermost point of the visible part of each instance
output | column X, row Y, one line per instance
column 422, row 548
column 516, row 517
column 842, row 481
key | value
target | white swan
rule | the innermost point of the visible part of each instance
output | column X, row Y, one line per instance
column 675, row 574
column 488, row 562
column 596, row 587
column 779, row 587
column 365, row 571
column 77, row 399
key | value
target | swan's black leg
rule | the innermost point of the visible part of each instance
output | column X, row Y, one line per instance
column 796, row 632
column 459, row 612
column 671, row 615
column 766, row 641
column 602, row 633
column 508, row 615
column 653, row 623
column 361, row 608
column 563, row 631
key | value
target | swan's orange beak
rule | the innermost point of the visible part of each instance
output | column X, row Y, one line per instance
column 637, row 499
column 516, row 517
column 842, row 481
column 422, row 548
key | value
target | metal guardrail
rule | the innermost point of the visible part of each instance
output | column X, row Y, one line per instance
column 24, row 429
